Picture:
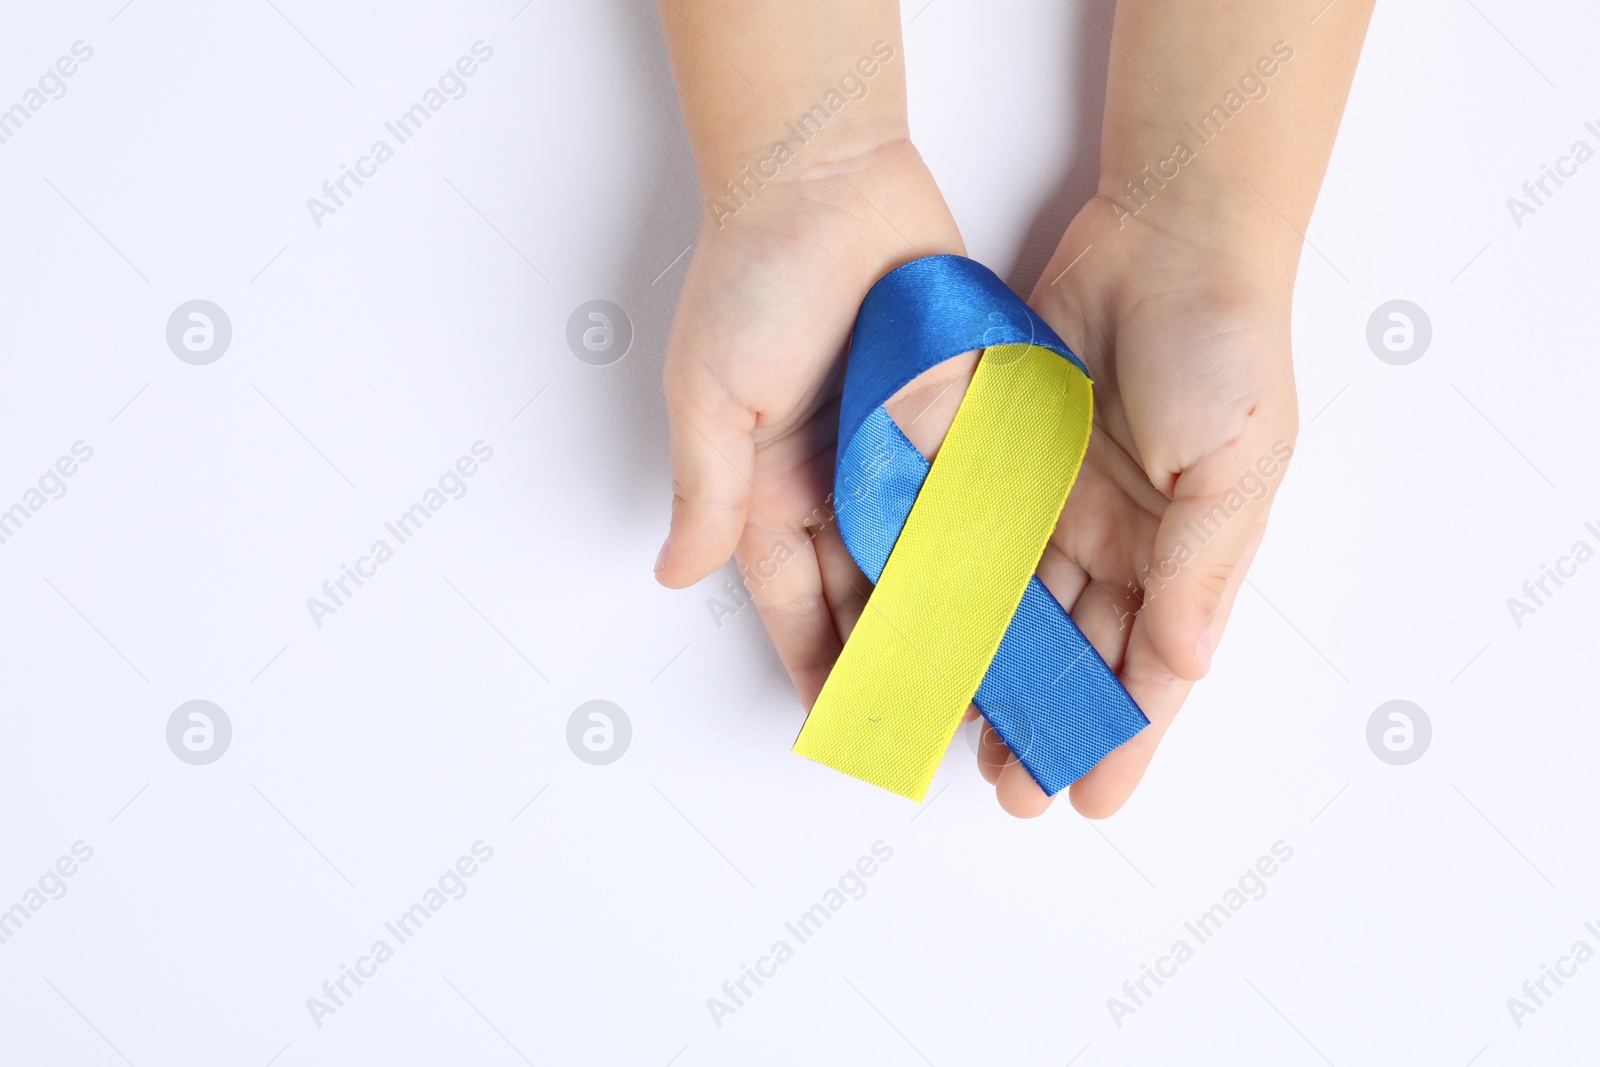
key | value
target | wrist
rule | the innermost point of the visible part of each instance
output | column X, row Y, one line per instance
column 1113, row 260
column 872, row 206
column 748, row 170
column 795, row 156
column 836, row 113
column 1220, row 216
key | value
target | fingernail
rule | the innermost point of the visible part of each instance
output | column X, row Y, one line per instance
column 661, row 557
column 1202, row 649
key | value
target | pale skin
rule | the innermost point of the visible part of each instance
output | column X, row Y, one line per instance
column 1180, row 309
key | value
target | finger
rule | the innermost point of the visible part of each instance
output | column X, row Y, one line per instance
column 992, row 754
column 713, row 455
column 778, row 556
column 1159, row 694
column 1199, row 549
column 1018, row 793
column 1098, row 547
column 843, row 585
column 1103, row 610
column 785, row 585
column 1104, row 613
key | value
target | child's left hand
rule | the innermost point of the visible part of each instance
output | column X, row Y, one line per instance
column 1187, row 337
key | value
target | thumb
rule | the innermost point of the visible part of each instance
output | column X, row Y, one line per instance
column 1206, row 538
column 713, row 454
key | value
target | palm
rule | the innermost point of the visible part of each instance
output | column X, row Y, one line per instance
column 753, row 379
column 1191, row 370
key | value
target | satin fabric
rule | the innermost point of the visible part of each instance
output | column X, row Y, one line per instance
column 1046, row 692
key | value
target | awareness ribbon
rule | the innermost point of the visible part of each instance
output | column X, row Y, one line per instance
column 958, row 615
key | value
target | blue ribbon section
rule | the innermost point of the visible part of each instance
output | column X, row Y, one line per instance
column 1047, row 693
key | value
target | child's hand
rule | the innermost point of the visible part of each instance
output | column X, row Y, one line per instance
column 1195, row 418
column 1180, row 312
column 752, row 383
column 1180, row 307
column 1194, row 400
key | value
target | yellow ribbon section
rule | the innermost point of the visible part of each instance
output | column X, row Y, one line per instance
column 957, row 573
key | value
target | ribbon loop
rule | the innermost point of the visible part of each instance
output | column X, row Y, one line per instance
column 958, row 615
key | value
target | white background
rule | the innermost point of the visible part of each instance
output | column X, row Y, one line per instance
column 368, row 754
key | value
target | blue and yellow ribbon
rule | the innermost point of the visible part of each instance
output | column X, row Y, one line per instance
column 958, row 615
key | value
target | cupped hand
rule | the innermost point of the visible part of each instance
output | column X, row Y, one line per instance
column 752, row 380
column 1195, row 421
column 1187, row 339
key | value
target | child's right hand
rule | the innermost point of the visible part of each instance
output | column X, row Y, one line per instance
column 752, row 382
